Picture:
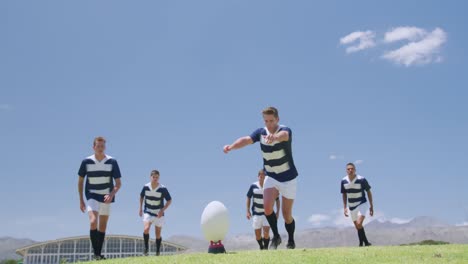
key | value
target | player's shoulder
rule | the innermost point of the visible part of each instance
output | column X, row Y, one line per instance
column 360, row 178
column 162, row 187
column 284, row 128
column 255, row 185
column 89, row 159
column 110, row 159
column 345, row 179
column 147, row 185
column 261, row 130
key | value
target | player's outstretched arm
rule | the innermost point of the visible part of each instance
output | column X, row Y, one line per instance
column 280, row 137
column 239, row 143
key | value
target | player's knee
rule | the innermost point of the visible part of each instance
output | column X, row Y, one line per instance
column 93, row 222
column 268, row 211
column 287, row 215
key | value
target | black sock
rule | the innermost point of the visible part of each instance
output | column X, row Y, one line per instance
column 100, row 240
column 266, row 243
column 364, row 238
column 146, row 239
column 93, row 236
column 290, row 228
column 359, row 232
column 260, row 243
column 273, row 223
column 158, row 244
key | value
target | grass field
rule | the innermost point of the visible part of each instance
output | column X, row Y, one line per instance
column 393, row 254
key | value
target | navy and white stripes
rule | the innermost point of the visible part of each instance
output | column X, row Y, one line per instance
column 154, row 198
column 99, row 176
column 277, row 156
column 355, row 190
column 256, row 192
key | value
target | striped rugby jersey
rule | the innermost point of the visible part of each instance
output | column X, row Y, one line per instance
column 355, row 190
column 100, row 176
column 278, row 162
column 154, row 198
column 256, row 192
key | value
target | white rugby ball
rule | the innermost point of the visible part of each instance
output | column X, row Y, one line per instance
column 215, row 221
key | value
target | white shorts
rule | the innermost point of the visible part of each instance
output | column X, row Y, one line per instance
column 259, row 221
column 101, row 208
column 287, row 189
column 153, row 220
column 362, row 209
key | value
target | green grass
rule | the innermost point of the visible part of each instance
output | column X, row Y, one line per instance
column 427, row 242
column 392, row 254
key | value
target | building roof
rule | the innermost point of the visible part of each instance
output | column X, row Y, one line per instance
column 22, row 251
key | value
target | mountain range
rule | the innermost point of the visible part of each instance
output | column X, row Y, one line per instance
column 379, row 232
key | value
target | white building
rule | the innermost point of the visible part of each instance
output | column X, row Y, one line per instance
column 74, row 249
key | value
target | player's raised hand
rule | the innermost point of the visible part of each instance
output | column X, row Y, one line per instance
column 346, row 212
column 270, row 138
column 82, row 206
column 226, row 149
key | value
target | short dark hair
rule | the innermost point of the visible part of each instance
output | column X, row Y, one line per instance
column 98, row 139
column 271, row 111
column 351, row 164
column 155, row 172
column 261, row 171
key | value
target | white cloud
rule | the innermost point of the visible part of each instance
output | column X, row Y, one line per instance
column 335, row 157
column 317, row 219
column 357, row 162
column 421, row 52
column 404, row 33
column 336, row 218
column 364, row 39
column 400, row 221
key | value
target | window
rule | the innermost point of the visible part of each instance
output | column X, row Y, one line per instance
column 140, row 246
column 51, row 249
column 113, row 245
column 83, row 246
column 128, row 245
column 35, row 250
column 67, row 247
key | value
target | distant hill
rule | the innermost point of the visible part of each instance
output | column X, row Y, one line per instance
column 9, row 245
column 378, row 232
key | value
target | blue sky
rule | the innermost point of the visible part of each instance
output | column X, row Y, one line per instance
column 168, row 83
